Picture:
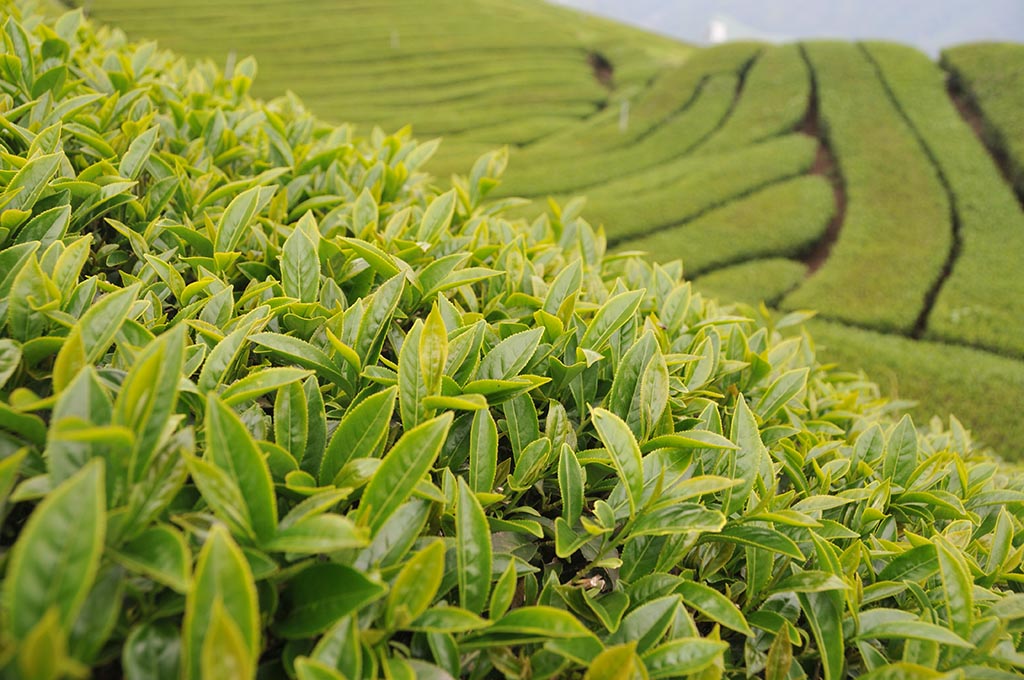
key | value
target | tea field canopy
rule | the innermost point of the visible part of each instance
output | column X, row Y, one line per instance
column 277, row 403
column 683, row 151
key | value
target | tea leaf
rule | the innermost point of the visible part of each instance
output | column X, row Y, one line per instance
column 232, row 450
column 401, row 470
column 682, row 657
column 416, row 586
column 223, row 581
column 149, row 395
column 625, row 454
column 56, row 557
column 161, row 554
column 473, row 550
column 360, row 434
column 322, row 594
column 237, row 217
column 714, row 605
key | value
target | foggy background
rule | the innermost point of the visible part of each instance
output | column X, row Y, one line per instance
column 928, row 24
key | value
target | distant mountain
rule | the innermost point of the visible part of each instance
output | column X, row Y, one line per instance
column 928, row 24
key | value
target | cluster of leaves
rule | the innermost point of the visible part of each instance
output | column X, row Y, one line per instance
column 270, row 404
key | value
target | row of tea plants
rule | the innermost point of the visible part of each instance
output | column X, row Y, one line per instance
column 274, row 403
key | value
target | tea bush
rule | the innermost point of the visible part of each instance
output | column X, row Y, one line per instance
column 347, row 59
column 982, row 301
column 271, row 403
column 775, row 97
column 783, row 220
column 897, row 212
column 989, row 75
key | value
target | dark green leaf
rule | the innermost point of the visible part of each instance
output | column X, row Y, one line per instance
column 714, row 605
column 683, row 656
column 160, row 553
column 322, row 594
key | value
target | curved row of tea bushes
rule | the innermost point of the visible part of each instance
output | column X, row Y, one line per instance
column 989, row 74
column 705, row 183
column 753, row 282
column 783, row 220
column 675, row 138
column 774, row 100
column 897, row 212
column 981, row 303
column 668, row 96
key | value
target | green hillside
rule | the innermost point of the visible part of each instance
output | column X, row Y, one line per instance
column 837, row 177
column 276, row 403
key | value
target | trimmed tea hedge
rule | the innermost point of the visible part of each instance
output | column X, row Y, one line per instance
column 753, row 282
column 676, row 137
column 784, row 220
column 982, row 301
column 990, row 74
column 775, row 96
column 271, row 402
column 897, row 212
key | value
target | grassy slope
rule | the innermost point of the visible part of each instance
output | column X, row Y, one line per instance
column 706, row 140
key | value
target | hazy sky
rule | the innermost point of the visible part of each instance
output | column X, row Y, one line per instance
column 929, row 24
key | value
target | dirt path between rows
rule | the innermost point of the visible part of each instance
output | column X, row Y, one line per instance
column 604, row 70
column 972, row 116
column 826, row 166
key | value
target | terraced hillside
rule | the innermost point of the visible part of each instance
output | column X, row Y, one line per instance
column 840, row 177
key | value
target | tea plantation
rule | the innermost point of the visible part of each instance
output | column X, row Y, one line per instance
column 277, row 402
column 723, row 157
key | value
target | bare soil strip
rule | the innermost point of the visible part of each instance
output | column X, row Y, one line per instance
column 824, row 165
column 972, row 116
column 604, row 70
